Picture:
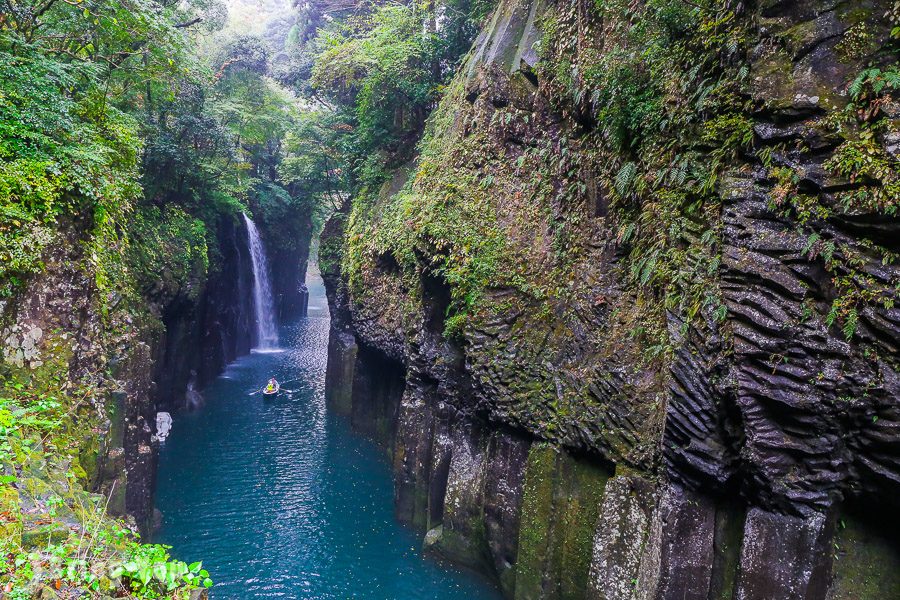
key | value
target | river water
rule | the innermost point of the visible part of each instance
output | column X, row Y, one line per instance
column 281, row 500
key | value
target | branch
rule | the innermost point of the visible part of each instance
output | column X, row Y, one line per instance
column 40, row 12
column 189, row 23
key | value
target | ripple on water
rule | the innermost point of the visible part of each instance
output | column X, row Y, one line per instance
column 281, row 500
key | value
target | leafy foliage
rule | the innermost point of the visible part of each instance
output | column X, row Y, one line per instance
column 127, row 135
column 383, row 70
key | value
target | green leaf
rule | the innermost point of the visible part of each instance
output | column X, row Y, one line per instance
column 810, row 241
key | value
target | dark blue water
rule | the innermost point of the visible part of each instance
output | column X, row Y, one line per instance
column 281, row 500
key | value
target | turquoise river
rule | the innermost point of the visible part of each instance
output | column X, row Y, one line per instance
column 280, row 499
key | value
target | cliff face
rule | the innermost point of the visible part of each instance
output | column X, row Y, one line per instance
column 207, row 332
column 112, row 341
column 627, row 322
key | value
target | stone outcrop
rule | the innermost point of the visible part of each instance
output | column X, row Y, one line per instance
column 758, row 457
column 108, row 364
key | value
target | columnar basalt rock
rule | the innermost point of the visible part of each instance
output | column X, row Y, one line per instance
column 744, row 449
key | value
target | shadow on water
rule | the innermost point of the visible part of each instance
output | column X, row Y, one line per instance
column 280, row 499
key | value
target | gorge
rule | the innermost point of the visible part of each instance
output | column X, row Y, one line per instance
column 283, row 499
column 611, row 288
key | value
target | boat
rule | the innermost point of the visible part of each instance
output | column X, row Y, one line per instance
column 271, row 392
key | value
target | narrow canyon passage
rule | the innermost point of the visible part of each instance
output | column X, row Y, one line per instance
column 280, row 499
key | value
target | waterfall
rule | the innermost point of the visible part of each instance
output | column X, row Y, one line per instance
column 267, row 334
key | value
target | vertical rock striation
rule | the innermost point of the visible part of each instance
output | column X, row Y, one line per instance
column 641, row 400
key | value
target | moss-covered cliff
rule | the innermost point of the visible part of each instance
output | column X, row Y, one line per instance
column 657, row 236
column 131, row 140
column 104, row 336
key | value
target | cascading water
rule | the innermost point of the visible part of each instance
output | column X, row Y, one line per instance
column 266, row 331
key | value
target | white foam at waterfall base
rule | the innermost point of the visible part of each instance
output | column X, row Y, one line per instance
column 266, row 330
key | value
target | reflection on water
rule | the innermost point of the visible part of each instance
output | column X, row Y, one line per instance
column 280, row 499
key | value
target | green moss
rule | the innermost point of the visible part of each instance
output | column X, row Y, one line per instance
column 534, row 528
column 588, row 483
column 560, row 510
column 88, row 462
column 10, row 522
column 466, row 545
column 167, row 251
column 43, row 536
column 866, row 562
column 729, row 535
column 331, row 246
column 115, row 411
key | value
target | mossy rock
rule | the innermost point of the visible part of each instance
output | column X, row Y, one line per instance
column 45, row 593
column 10, row 525
column 469, row 550
column 560, row 511
column 43, row 535
column 81, row 475
column 88, row 462
column 116, row 503
column 867, row 562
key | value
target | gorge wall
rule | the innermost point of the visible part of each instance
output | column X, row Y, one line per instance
column 119, row 343
column 626, row 321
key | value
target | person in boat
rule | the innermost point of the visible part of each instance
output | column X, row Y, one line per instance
column 273, row 385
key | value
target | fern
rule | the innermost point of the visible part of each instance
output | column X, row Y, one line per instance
column 856, row 86
column 720, row 313
column 833, row 313
column 877, row 78
column 625, row 177
column 649, row 268
column 850, row 324
column 626, row 233
column 811, row 240
column 828, row 251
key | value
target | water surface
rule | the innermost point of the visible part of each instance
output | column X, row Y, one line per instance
column 281, row 500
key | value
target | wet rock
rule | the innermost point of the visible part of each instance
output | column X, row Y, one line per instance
column 340, row 372
column 504, row 492
column 687, row 545
column 620, row 544
column 193, row 399
column 413, row 456
column 785, row 557
column 463, row 537
column 156, row 521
